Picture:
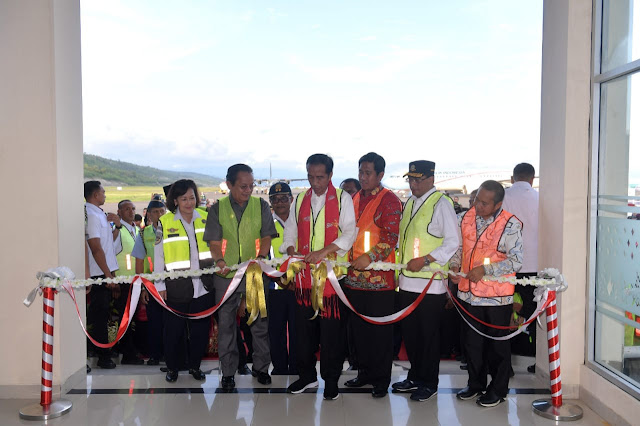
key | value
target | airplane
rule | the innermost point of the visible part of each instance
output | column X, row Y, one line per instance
column 224, row 188
column 455, row 181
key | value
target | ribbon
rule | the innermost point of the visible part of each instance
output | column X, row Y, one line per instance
column 387, row 319
column 542, row 300
column 127, row 316
column 291, row 269
column 256, row 303
column 318, row 281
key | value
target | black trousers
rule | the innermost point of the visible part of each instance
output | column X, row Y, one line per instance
column 282, row 319
column 373, row 343
column 421, row 334
column 523, row 343
column 155, row 329
column 98, row 315
column 326, row 333
column 126, row 345
column 488, row 356
column 197, row 331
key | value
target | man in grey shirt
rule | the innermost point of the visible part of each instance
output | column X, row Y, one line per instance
column 232, row 222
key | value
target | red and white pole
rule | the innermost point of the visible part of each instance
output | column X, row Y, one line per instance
column 553, row 343
column 554, row 409
column 46, row 409
column 46, row 388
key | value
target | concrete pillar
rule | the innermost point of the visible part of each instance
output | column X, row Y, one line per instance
column 564, row 172
column 41, row 169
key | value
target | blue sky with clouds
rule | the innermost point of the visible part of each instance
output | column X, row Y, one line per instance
column 201, row 85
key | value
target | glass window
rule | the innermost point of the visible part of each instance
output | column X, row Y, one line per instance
column 617, row 331
column 620, row 41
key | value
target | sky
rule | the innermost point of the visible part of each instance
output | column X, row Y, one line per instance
column 201, row 85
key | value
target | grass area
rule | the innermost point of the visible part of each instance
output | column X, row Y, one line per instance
column 140, row 193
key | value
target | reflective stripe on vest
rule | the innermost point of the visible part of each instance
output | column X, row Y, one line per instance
column 276, row 242
column 241, row 241
column 317, row 225
column 149, row 240
column 414, row 240
column 368, row 232
column 126, row 263
column 175, row 242
column 475, row 250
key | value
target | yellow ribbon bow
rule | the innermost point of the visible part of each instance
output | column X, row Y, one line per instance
column 293, row 269
column 256, row 303
column 319, row 279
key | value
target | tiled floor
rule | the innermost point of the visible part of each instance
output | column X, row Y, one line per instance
column 132, row 395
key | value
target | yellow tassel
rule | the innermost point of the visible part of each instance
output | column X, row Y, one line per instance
column 319, row 279
column 256, row 302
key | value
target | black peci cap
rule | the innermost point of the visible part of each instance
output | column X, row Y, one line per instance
column 421, row 168
column 279, row 188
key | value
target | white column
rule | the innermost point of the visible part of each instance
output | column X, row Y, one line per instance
column 42, row 174
column 564, row 172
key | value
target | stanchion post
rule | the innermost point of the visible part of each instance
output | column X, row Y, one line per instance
column 46, row 409
column 553, row 408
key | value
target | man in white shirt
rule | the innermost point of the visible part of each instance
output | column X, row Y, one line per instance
column 522, row 200
column 102, row 264
column 321, row 224
column 428, row 237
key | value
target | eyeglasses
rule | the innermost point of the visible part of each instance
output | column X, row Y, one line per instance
column 415, row 179
column 276, row 199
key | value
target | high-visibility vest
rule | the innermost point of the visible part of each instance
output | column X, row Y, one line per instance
column 240, row 241
column 368, row 232
column 415, row 240
column 317, row 225
column 126, row 263
column 276, row 242
column 149, row 240
column 475, row 250
column 175, row 242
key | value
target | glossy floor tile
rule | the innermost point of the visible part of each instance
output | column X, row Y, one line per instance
column 139, row 395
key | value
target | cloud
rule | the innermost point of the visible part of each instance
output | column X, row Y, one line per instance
column 368, row 38
column 385, row 68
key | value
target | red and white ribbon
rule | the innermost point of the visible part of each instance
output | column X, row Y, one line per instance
column 553, row 343
column 386, row 319
column 47, row 347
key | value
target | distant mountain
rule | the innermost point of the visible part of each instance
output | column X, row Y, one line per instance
column 116, row 172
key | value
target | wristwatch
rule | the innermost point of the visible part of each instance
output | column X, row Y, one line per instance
column 427, row 262
column 118, row 226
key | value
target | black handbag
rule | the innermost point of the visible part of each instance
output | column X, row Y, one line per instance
column 207, row 279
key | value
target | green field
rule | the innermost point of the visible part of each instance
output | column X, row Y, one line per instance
column 140, row 193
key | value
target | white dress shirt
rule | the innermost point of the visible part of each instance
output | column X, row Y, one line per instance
column 98, row 227
column 194, row 257
column 444, row 224
column 346, row 222
column 522, row 200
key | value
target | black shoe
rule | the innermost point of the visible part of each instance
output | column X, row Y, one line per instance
column 532, row 369
column 300, row 386
column 263, row 378
column 423, row 394
column 464, row 366
column 379, row 392
column 511, row 372
column 355, row 383
column 132, row 360
column 331, row 391
column 106, row 363
column 197, row 374
column 88, row 369
column 467, row 394
column 404, row 386
column 228, row 383
column 172, row 376
column 153, row 361
column 489, row 399
column 244, row 370
column 275, row 372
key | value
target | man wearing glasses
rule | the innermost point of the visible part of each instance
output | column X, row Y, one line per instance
column 282, row 301
column 428, row 237
column 239, row 227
